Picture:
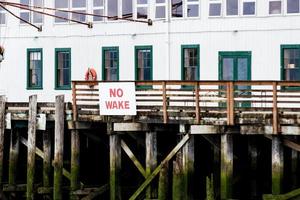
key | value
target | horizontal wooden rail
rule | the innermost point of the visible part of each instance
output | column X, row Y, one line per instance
column 171, row 98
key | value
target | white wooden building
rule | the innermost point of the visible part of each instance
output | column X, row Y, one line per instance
column 188, row 40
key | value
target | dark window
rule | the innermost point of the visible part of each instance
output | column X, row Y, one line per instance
column 232, row 7
column 177, row 10
column 190, row 62
column 110, row 63
column 63, row 68
column 143, row 56
column 35, row 69
column 293, row 6
column 291, row 62
column 275, row 7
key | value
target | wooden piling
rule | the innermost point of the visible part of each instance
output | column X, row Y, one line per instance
column 75, row 160
column 163, row 183
column 151, row 161
column 253, row 163
column 226, row 166
column 178, row 179
column 115, row 163
column 58, row 147
column 188, row 167
column 277, row 164
column 294, row 168
column 47, row 158
column 13, row 156
column 2, row 129
column 31, row 146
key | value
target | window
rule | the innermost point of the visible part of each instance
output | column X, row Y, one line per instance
column 248, row 7
column 2, row 16
column 34, row 69
column 232, row 7
column 192, row 8
column 74, row 5
column 160, row 9
column 30, row 16
column 142, row 9
column 190, row 62
column 293, row 6
column 176, row 8
column 98, row 9
column 63, row 68
column 215, row 7
column 290, row 62
column 127, row 9
column 275, row 7
column 112, row 9
column 110, row 63
column 143, row 63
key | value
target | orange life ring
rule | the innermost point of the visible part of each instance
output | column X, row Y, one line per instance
column 91, row 75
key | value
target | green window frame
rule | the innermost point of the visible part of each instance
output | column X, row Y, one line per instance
column 147, row 62
column 63, row 71
column 110, row 63
column 183, row 62
column 35, row 69
column 292, row 67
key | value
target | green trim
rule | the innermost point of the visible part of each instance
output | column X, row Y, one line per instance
column 182, row 59
column 29, row 87
column 115, row 48
column 235, row 54
column 65, row 87
column 136, row 48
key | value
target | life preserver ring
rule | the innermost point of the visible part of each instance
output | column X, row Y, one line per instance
column 91, row 74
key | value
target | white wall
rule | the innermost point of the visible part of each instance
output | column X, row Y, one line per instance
column 262, row 35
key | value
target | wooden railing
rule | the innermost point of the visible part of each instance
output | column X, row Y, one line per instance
column 173, row 100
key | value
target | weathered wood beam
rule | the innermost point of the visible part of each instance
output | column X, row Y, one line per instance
column 226, row 166
column 132, row 157
column 31, row 146
column 163, row 183
column 189, row 167
column 151, row 161
column 75, row 159
column 58, row 147
column 289, row 195
column 13, row 156
column 253, row 162
column 277, row 164
column 157, row 170
column 96, row 192
column 115, row 165
column 46, row 158
column 2, row 129
column 178, row 184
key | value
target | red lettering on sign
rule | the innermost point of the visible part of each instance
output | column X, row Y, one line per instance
column 119, row 105
column 113, row 92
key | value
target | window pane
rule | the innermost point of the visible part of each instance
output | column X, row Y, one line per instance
column 144, row 64
column 35, row 72
column 112, row 9
column 228, row 69
column 98, row 12
column 160, row 12
column 242, row 69
column 38, row 3
column 24, row 2
column 232, row 7
column 111, row 65
column 63, row 69
column 79, row 17
column 193, row 10
column 142, row 1
column 61, row 14
column 98, row 3
column 214, row 9
column 78, row 3
column 24, row 16
column 292, row 6
column 249, row 8
column 177, row 8
column 142, row 13
column 61, row 4
column 190, row 64
column 274, row 7
column 127, row 8
column 2, row 18
column 160, row 1
column 292, row 64
column 37, row 18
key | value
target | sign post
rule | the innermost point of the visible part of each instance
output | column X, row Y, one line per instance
column 117, row 98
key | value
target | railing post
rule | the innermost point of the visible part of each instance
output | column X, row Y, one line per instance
column 197, row 90
column 165, row 114
column 275, row 109
column 230, row 103
column 74, row 106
